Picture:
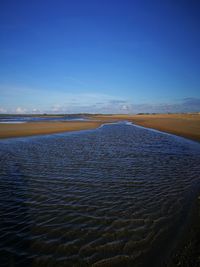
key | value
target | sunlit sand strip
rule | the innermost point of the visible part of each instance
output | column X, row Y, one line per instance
column 185, row 125
column 37, row 128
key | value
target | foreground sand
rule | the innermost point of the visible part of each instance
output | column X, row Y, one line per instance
column 186, row 125
column 37, row 128
column 188, row 249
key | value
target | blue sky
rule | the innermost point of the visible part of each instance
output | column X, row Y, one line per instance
column 99, row 56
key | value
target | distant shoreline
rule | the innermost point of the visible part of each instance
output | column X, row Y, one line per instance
column 185, row 125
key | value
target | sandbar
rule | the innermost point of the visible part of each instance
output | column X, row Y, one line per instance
column 38, row 128
column 185, row 125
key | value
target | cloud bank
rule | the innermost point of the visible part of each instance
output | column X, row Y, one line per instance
column 19, row 100
column 108, row 105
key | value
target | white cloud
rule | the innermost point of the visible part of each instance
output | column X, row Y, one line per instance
column 35, row 110
column 3, row 110
column 20, row 110
column 38, row 100
column 186, row 105
column 56, row 108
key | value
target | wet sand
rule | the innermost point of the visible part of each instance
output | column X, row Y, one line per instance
column 188, row 251
column 37, row 128
column 185, row 125
column 107, row 197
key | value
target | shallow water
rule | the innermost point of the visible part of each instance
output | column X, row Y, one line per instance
column 115, row 196
column 24, row 119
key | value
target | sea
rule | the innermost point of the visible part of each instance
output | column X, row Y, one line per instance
column 119, row 195
column 42, row 118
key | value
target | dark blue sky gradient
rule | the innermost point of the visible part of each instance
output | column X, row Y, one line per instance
column 86, row 55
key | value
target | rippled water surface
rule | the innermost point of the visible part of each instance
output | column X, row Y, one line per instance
column 115, row 196
column 23, row 119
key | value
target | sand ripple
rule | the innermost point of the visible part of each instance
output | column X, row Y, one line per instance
column 115, row 196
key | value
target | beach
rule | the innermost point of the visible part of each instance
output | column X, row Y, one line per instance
column 119, row 195
column 185, row 125
column 8, row 130
column 79, row 174
column 188, row 250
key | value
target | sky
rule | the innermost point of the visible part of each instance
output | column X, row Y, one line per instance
column 99, row 56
